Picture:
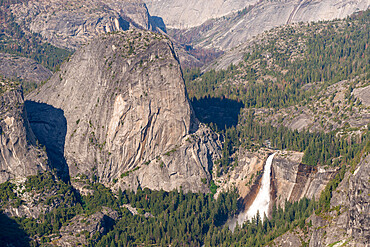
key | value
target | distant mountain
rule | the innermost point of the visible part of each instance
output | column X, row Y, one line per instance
column 186, row 14
column 232, row 30
column 69, row 24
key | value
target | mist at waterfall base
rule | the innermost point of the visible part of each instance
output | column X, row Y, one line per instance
column 261, row 202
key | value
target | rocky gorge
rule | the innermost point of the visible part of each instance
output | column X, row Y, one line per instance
column 290, row 179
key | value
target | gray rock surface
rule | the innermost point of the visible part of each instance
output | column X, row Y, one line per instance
column 20, row 156
column 125, row 105
column 186, row 14
column 232, row 30
column 347, row 222
column 32, row 202
column 69, row 24
column 81, row 227
column 288, row 240
column 359, row 203
column 184, row 166
column 363, row 94
column 26, row 69
column 294, row 180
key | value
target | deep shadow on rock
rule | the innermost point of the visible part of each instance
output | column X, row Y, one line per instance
column 221, row 112
column 158, row 22
column 50, row 127
column 11, row 234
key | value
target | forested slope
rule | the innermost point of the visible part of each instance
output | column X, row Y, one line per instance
column 291, row 63
column 18, row 40
column 320, row 68
column 292, row 71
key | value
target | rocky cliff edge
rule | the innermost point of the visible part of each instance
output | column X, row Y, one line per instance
column 128, row 118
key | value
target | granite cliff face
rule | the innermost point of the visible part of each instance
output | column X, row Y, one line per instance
column 293, row 180
column 290, row 179
column 20, row 156
column 186, row 14
column 127, row 117
column 69, row 24
column 237, row 28
column 22, row 68
column 347, row 223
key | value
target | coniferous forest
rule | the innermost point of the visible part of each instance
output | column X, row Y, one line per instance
column 176, row 218
column 288, row 68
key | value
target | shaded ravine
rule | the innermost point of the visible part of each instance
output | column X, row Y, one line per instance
column 261, row 202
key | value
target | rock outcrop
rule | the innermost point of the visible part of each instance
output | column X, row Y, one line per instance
column 33, row 200
column 359, row 203
column 347, row 223
column 306, row 118
column 69, row 24
column 128, row 119
column 245, row 176
column 290, row 179
column 20, row 156
column 25, row 69
column 232, row 30
column 186, row 14
column 293, row 180
column 81, row 228
column 363, row 94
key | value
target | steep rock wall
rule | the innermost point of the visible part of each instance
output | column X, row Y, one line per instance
column 69, row 24
column 346, row 223
column 186, row 14
column 294, row 180
column 235, row 29
column 20, row 156
column 125, row 105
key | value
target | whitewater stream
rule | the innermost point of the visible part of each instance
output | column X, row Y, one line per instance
column 261, row 202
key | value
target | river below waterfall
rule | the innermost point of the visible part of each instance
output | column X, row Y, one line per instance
column 262, row 201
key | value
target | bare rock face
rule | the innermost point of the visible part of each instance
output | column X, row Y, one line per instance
column 359, row 206
column 232, row 30
column 125, row 105
column 186, row 166
column 82, row 227
column 69, row 24
column 363, row 94
column 186, row 14
column 287, row 240
column 246, row 175
column 19, row 154
column 347, row 222
column 293, row 180
column 12, row 66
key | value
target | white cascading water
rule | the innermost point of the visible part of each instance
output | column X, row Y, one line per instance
column 261, row 202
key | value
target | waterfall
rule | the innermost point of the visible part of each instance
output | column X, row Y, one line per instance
column 261, row 202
